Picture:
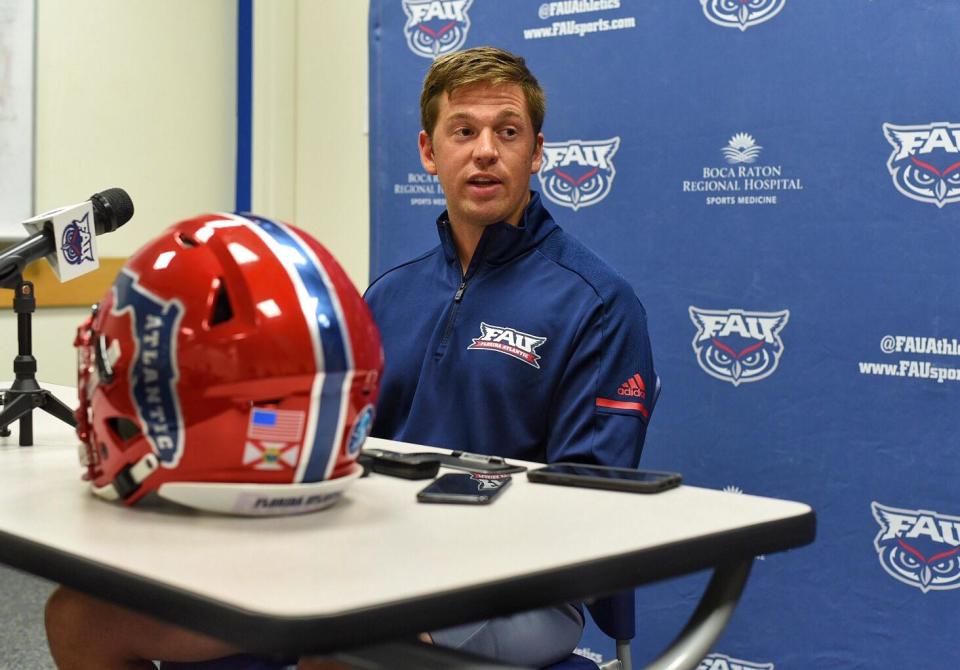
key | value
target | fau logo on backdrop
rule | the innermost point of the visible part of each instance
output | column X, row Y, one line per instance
column 436, row 27
column 154, row 323
column 738, row 346
column 918, row 547
column 724, row 662
column 925, row 161
column 576, row 173
column 741, row 14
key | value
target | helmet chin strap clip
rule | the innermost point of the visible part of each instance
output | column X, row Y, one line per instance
column 129, row 479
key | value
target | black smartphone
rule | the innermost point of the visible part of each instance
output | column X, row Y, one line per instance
column 397, row 464
column 605, row 477
column 474, row 488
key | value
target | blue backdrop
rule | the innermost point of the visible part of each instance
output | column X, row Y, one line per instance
column 779, row 181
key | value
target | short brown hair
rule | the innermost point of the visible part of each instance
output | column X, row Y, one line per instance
column 480, row 65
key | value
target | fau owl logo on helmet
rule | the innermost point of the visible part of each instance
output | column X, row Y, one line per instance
column 925, row 161
column 724, row 662
column 918, row 547
column 578, row 174
column 436, row 27
column 741, row 14
column 738, row 346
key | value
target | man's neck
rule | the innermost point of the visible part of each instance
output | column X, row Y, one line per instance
column 465, row 241
column 467, row 236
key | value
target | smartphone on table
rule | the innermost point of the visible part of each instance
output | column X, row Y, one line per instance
column 605, row 477
column 473, row 488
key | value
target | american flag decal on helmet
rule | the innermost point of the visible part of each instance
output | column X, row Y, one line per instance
column 275, row 425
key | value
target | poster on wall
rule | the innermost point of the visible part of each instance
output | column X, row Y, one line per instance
column 779, row 181
column 16, row 114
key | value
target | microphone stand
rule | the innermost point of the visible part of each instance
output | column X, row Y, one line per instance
column 25, row 394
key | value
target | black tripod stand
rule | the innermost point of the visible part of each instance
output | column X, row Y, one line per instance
column 25, row 394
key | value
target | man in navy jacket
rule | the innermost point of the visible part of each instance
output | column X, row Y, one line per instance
column 510, row 337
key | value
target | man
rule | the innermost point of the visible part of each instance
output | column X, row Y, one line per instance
column 509, row 337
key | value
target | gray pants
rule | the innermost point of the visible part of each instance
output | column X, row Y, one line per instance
column 533, row 639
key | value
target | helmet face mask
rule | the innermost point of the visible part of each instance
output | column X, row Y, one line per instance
column 233, row 367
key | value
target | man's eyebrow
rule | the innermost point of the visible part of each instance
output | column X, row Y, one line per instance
column 467, row 116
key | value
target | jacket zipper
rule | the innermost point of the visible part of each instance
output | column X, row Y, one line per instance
column 451, row 317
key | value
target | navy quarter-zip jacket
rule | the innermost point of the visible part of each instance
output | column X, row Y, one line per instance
column 539, row 351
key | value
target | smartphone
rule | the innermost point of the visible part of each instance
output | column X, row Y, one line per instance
column 397, row 464
column 604, row 477
column 474, row 488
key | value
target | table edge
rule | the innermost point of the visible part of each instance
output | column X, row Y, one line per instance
column 259, row 632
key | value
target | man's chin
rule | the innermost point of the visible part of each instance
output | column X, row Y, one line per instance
column 481, row 216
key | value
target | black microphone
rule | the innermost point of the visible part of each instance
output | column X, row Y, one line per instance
column 111, row 209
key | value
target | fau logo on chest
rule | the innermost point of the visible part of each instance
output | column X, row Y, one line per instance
column 508, row 341
column 918, row 547
column 154, row 323
column 578, row 174
column 738, row 346
column 724, row 662
column 741, row 14
column 436, row 27
column 925, row 161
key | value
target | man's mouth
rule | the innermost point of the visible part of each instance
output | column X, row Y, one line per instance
column 483, row 181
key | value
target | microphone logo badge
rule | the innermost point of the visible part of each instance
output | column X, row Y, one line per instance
column 75, row 242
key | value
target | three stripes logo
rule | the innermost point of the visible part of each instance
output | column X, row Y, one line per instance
column 633, row 387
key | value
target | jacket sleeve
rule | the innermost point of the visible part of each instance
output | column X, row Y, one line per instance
column 601, row 408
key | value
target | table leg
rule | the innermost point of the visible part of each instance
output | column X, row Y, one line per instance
column 708, row 621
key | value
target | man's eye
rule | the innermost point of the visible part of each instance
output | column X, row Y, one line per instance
column 509, row 132
column 462, row 132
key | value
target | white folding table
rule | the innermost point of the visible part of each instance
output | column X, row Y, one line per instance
column 378, row 565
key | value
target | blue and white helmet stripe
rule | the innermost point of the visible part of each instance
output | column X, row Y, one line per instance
column 331, row 344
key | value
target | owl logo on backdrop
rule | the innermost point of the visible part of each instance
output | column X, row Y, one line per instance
column 154, row 324
column 736, row 345
column 918, row 547
column 436, row 27
column 724, row 662
column 741, row 14
column 925, row 161
column 576, row 173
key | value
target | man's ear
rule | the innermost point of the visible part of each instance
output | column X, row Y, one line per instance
column 537, row 154
column 426, row 153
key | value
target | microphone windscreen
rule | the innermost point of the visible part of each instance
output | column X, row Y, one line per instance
column 112, row 208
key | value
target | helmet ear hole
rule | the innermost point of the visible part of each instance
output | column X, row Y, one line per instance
column 222, row 309
column 186, row 241
column 123, row 428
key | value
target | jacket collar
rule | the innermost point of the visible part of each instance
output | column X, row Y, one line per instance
column 501, row 242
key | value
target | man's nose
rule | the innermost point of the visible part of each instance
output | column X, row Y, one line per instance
column 485, row 149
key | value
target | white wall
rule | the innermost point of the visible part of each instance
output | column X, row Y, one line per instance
column 310, row 123
column 149, row 105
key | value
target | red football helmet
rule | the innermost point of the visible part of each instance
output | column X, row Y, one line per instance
column 231, row 367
